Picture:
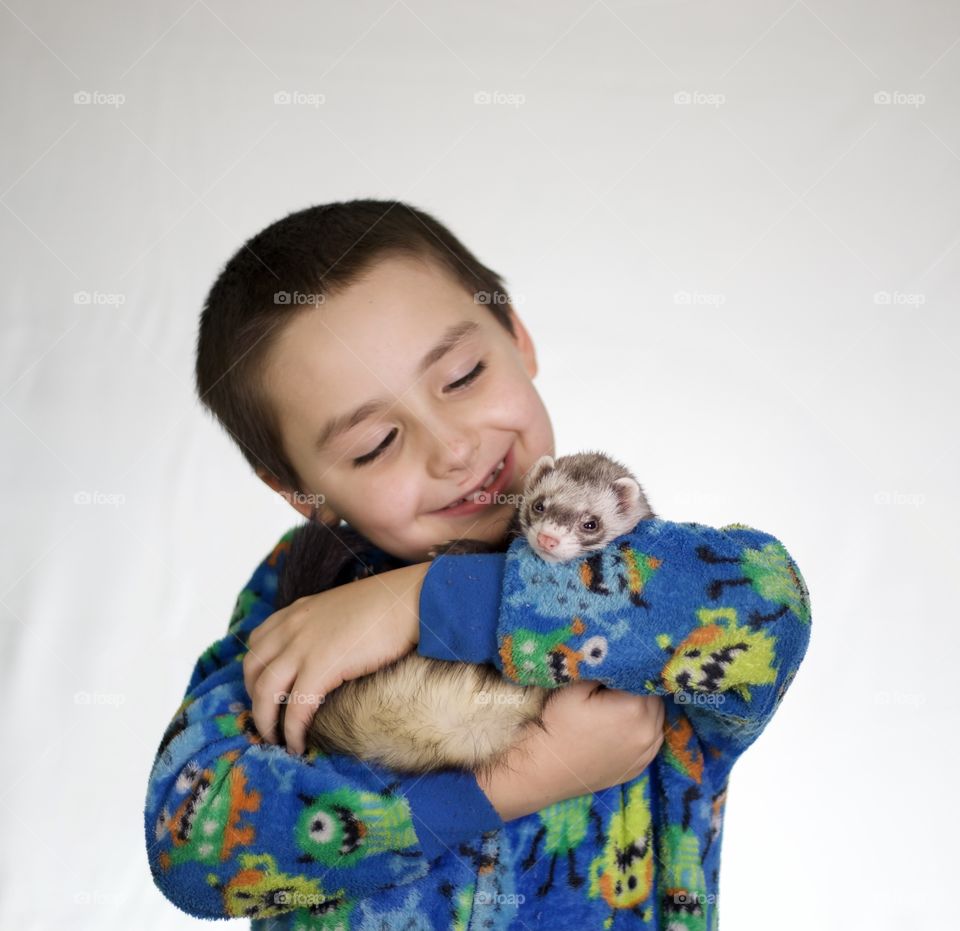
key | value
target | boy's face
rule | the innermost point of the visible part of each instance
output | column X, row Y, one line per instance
column 442, row 429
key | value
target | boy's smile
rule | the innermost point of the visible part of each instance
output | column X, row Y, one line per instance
column 401, row 395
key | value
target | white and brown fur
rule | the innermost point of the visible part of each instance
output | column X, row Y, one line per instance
column 420, row 714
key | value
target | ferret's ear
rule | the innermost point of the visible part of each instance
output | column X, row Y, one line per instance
column 628, row 495
column 540, row 468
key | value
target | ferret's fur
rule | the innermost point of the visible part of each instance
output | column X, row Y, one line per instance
column 420, row 714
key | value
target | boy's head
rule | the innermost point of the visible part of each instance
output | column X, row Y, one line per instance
column 339, row 305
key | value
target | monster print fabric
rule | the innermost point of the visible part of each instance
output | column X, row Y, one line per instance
column 715, row 621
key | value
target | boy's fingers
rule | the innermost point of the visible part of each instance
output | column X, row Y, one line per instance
column 301, row 707
column 267, row 626
column 267, row 692
column 257, row 658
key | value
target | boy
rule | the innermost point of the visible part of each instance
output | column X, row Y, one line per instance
column 371, row 371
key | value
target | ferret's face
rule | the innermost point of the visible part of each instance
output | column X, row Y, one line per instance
column 562, row 520
column 447, row 418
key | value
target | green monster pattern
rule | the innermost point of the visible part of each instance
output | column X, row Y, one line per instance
column 259, row 890
column 684, row 892
column 564, row 825
column 545, row 659
column 339, row 828
column 209, row 823
column 623, row 873
column 772, row 574
column 719, row 655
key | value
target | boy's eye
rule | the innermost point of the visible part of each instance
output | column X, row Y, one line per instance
column 469, row 377
column 459, row 383
column 370, row 456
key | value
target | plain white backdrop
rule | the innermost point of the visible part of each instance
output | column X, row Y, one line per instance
column 733, row 233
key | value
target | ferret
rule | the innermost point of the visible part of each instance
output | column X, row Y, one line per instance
column 420, row 714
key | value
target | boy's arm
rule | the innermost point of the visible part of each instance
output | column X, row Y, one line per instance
column 232, row 822
column 719, row 619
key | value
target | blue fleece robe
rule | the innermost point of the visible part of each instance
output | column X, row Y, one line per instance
column 716, row 621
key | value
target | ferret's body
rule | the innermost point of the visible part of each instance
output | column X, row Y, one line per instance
column 420, row 714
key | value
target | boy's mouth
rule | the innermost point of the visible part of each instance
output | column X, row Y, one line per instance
column 486, row 493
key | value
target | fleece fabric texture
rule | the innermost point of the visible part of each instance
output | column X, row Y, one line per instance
column 716, row 621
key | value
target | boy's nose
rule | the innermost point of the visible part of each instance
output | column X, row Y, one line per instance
column 547, row 542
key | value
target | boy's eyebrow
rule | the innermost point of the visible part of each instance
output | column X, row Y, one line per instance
column 454, row 335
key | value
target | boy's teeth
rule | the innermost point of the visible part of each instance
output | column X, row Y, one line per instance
column 491, row 478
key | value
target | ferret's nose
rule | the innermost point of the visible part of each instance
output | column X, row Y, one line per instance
column 547, row 542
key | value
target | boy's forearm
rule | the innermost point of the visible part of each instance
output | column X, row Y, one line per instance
column 401, row 597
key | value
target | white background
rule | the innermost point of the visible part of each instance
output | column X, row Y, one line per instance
column 750, row 297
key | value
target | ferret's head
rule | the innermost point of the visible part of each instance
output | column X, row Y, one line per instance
column 579, row 503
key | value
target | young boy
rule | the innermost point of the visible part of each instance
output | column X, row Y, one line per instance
column 371, row 370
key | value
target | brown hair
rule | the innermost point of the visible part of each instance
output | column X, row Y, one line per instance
column 318, row 251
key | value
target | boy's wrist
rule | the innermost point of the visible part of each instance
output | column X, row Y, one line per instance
column 511, row 793
column 404, row 585
column 459, row 607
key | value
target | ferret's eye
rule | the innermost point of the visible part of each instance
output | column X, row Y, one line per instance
column 591, row 524
column 538, row 506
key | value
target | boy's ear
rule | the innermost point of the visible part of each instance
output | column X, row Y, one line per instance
column 524, row 342
column 301, row 503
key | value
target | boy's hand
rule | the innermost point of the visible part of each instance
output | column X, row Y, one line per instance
column 304, row 651
column 595, row 738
